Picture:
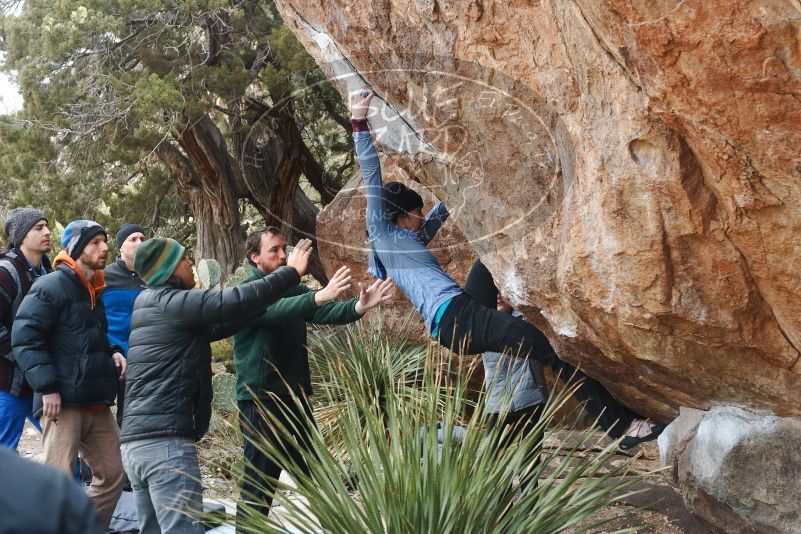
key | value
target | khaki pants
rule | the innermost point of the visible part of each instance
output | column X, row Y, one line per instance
column 96, row 436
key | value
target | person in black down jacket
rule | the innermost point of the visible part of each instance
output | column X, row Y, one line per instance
column 168, row 390
column 37, row 498
column 59, row 339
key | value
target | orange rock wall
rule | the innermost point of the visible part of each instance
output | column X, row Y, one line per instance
column 629, row 171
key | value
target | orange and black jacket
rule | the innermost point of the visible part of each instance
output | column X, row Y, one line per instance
column 60, row 342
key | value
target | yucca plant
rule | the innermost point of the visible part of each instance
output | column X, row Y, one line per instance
column 376, row 363
column 396, row 465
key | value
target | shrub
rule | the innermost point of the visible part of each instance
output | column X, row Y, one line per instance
column 376, row 464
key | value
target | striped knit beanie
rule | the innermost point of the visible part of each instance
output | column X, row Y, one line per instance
column 156, row 259
column 77, row 235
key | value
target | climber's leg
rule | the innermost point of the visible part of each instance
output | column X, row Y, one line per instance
column 470, row 328
column 467, row 327
column 481, row 286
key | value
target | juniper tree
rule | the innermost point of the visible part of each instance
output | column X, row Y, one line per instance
column 134, row 102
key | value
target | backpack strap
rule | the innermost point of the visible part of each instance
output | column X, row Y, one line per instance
column 21, row 280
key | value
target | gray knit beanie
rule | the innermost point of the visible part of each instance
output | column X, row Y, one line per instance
column 19, row 222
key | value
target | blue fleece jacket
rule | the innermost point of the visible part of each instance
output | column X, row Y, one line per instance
column 398, row 252
column 122, row 288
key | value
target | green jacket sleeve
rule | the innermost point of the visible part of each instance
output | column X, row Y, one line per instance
column 336, row 313
column 293, row 308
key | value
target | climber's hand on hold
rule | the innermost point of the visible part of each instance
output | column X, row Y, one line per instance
column 360, row 103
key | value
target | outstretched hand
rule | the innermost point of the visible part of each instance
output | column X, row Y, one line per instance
column 336, row 287
column 300, row 256
column 360, row 103
column 378, row 293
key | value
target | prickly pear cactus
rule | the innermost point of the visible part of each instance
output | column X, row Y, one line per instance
column 224, row 385
column 239, row 276
column 208, row 273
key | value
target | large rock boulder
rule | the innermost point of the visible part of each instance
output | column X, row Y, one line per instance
column 628, row 171
column 737, row 469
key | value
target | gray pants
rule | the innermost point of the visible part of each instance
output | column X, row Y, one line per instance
column 165, row 477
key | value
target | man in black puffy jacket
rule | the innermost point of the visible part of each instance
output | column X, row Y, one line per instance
column 168, row 389
column 59, row 340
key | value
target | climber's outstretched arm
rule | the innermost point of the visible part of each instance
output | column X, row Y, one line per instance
column 434, row 221
column 368, row 163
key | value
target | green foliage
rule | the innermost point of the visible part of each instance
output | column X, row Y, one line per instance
column 240, row 274
column 387, row 472
column 35, row 171
column 378, row 360
column 222, row 351
column 107, row 82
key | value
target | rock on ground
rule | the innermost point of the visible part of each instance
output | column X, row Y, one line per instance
column 737, row 469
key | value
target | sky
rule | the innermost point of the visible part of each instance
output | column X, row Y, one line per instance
column 10, row 99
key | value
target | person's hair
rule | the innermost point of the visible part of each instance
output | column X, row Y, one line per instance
column 400, row 199
column 253, row 242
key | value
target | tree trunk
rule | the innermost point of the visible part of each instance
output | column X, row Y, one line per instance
column 305, row 225
column 207, row 179
column 224, row 243
column 272, row 157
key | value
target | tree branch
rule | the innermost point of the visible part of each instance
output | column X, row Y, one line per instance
column 336, row 117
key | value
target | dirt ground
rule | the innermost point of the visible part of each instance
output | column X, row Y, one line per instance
column 657, row 509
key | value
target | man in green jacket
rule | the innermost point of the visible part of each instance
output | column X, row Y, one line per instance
column 272, row 362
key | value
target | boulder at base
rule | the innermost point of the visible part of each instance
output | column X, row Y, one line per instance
column 739, row 470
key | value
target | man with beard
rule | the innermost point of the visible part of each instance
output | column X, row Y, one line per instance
column 168, row 392
column 272, row 363
column 60, row 342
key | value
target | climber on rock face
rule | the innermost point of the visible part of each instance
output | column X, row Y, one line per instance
column 398, row 233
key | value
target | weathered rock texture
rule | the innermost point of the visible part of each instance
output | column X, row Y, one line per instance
column 629, row 172
column 737, row 469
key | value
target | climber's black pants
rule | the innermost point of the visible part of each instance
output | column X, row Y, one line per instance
column 470, row 328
